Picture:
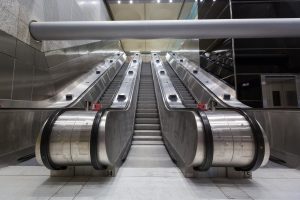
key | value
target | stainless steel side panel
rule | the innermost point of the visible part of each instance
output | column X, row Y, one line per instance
column 70, row 138
column 20, row 128
column 182, row 132
column 116, row 130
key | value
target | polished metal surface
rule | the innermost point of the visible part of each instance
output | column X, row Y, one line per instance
column 169, row 93
column 88, row 87
column 70, row 138
column 233, row 139
column 122, row 98
column 183, row 133
column 281, row 128
column 24, row 120
column 20, row 128
column 280, row 125
column 187, row 98
column 178, row 29
column 69, row 143
column 6, row 75
column 203, row 86
column 81, row 89
column 110, row 92
column 116, row 129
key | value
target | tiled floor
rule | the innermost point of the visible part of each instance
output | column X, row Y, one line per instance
column 154, row 182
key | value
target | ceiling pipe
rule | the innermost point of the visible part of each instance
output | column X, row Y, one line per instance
column 176, row 29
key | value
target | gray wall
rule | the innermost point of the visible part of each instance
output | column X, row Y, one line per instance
column 28, row 74
column 19, row 129
column 15, row 15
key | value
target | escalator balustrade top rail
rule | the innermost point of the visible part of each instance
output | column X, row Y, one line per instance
column 221, row 92
column 170, row 95
column 122, row 98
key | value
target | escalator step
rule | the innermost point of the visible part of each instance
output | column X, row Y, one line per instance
column 146, row 111
column 147, row 126
column 147, row 106
column 147, row 138
column 146, row 120
column 147, row 132
column 146, row 115
column 147, row 142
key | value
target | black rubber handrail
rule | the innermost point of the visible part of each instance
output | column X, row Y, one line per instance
column 209, row 143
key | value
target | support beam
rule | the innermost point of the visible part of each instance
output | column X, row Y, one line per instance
column 176, row 29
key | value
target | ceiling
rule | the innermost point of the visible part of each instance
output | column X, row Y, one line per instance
column 148, row 10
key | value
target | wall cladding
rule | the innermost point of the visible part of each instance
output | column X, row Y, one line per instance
column 19, row 64
column 23, row 127
column 28, row 74
column 15, row 15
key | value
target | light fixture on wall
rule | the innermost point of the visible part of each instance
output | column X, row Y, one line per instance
column 119, row 2
column 158, row 1
column 131, row 2
column 170, row 1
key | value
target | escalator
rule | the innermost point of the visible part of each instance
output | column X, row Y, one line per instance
column 72, row 137
column 147, row 124
column 31, row 115
column 151, row 120
column 215, row 93
column 147, row 149
column 108, row 96
column 187, row 99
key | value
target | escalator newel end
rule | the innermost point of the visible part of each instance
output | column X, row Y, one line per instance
column 209, row 144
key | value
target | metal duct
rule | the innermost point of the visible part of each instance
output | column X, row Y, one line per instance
column 176, row 29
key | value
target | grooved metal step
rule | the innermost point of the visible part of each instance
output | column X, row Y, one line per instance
column 147, row 138
column 147, row 126
column 107, row 97
column 146, row 120
column 147, row 142
column 147, row 106
column 139, row 110
column 146, row 115
column 147, row 132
